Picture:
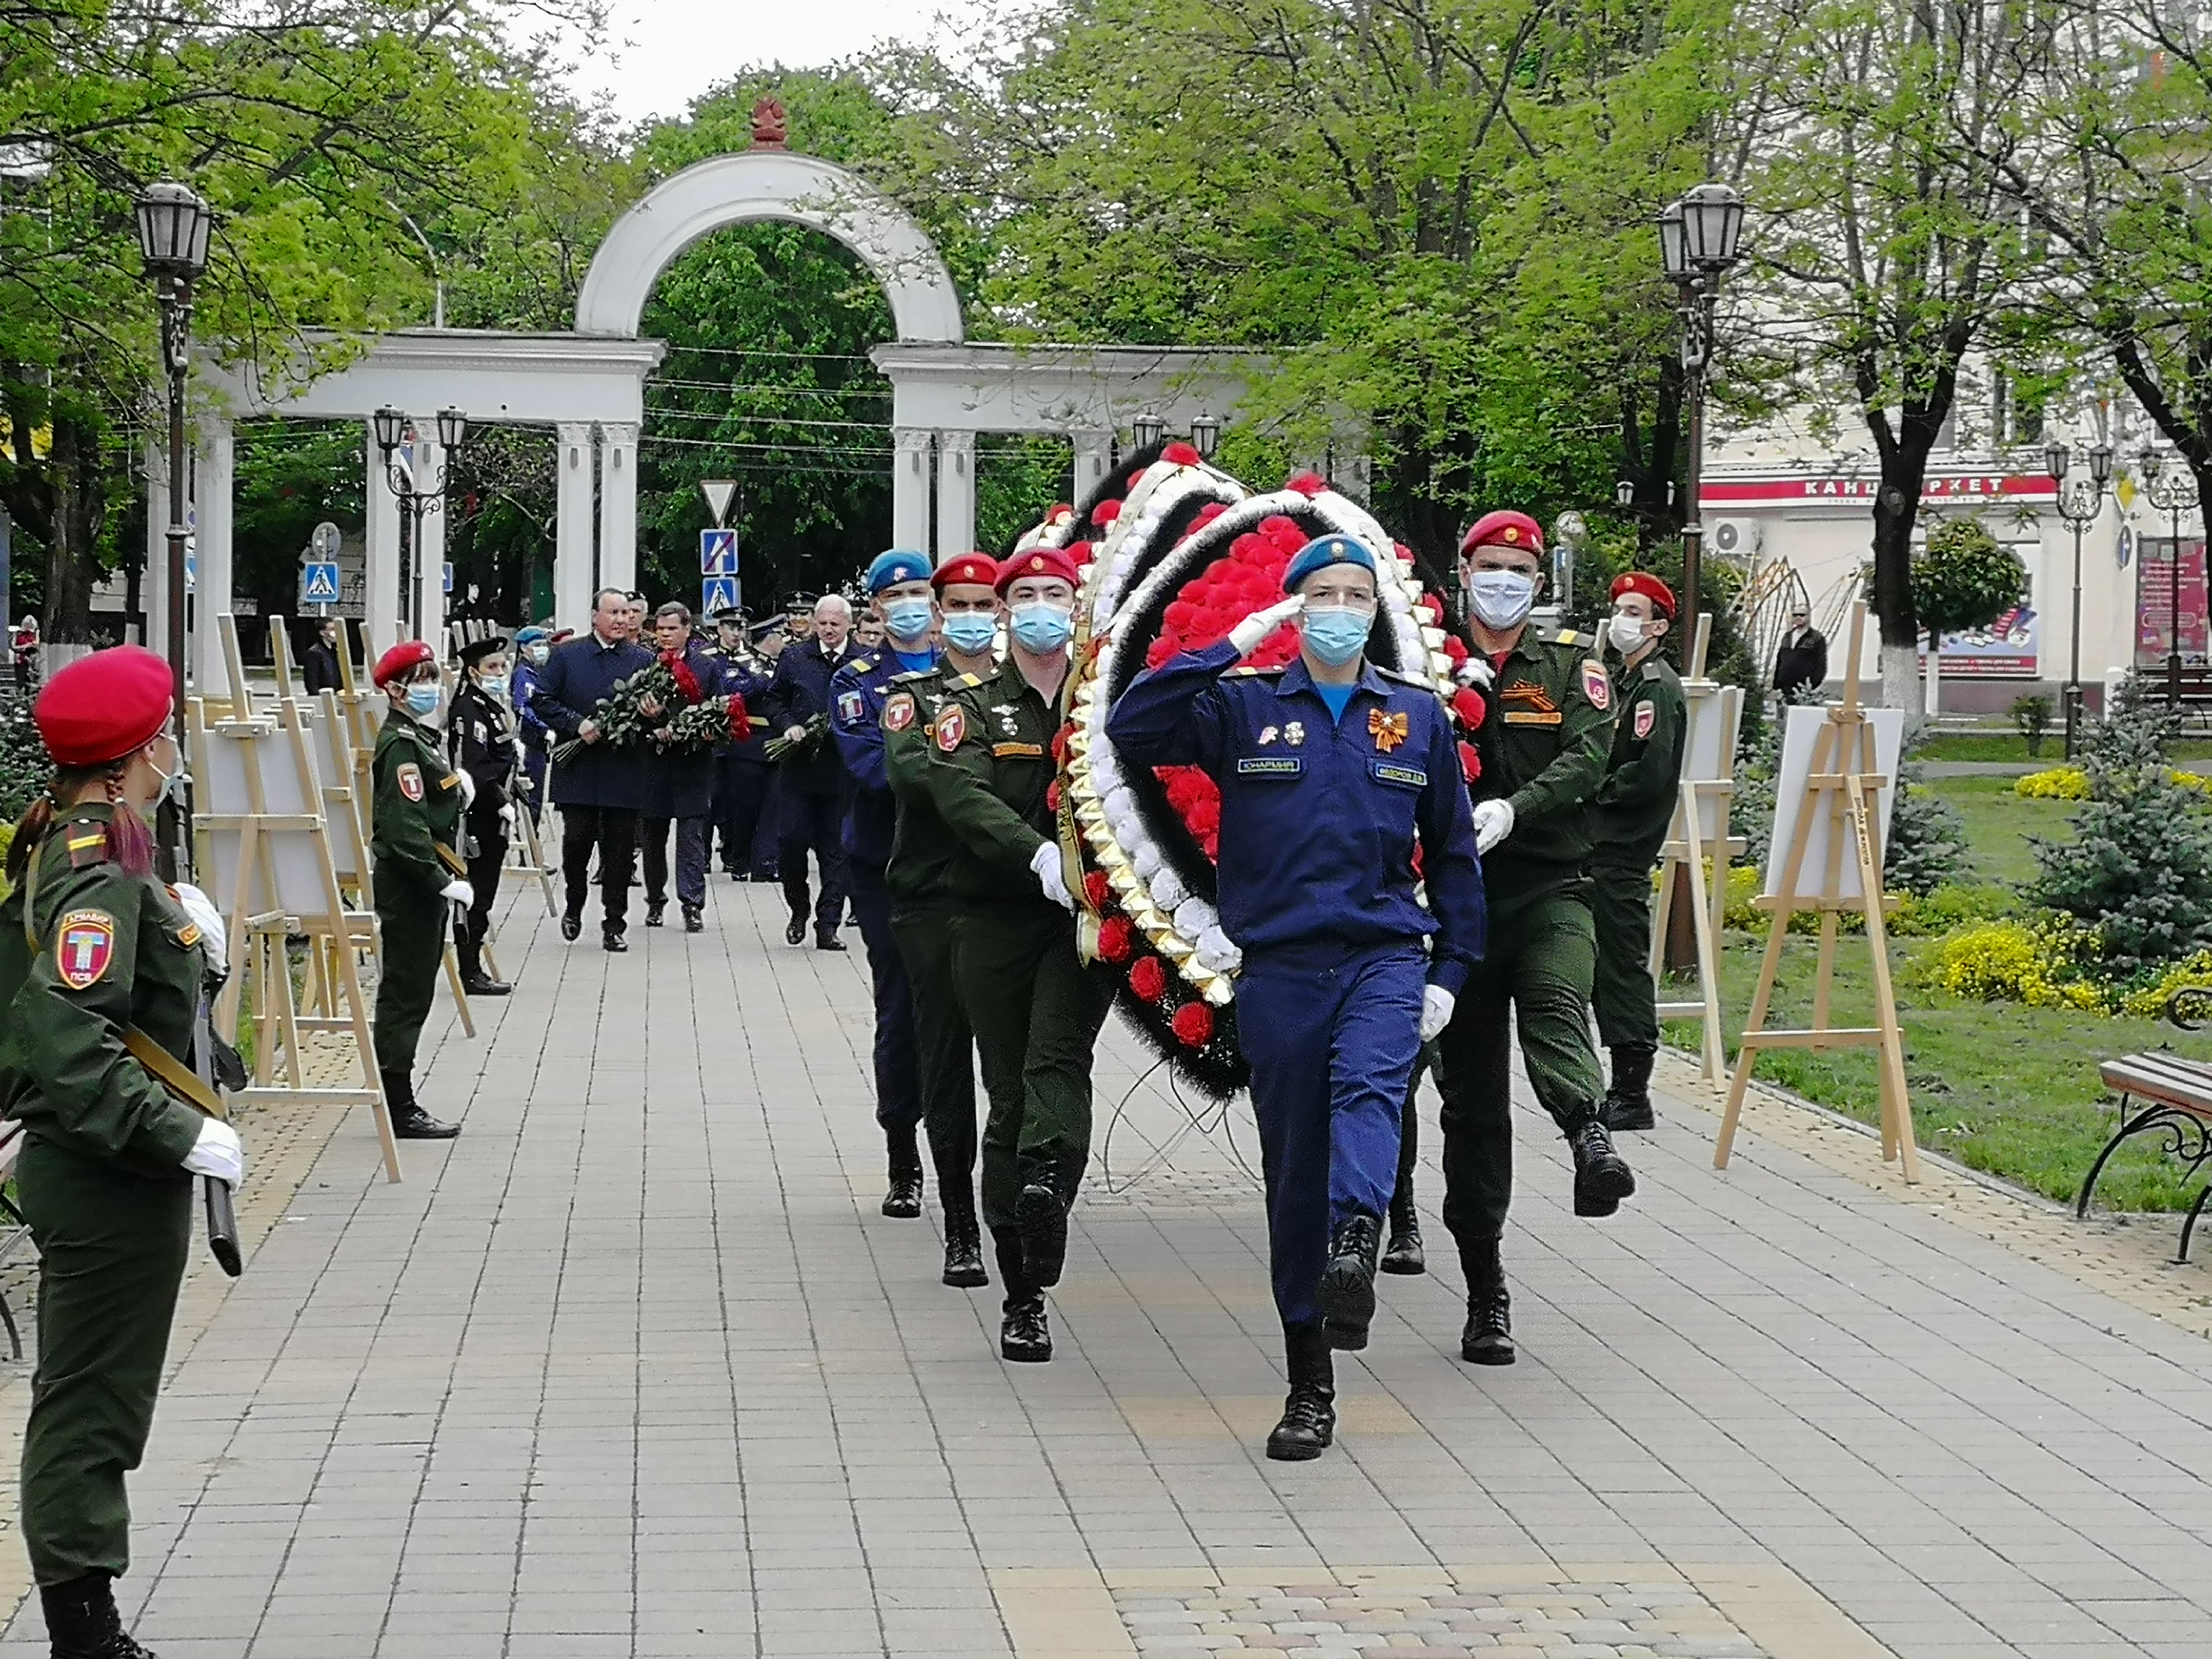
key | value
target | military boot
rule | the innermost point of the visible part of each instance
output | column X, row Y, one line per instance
column 474, row 979
column 1348, row 1283
column 694, row 921
column 1628, row 1101
column 409, row 1121
column 81, row 1621
column 964, row 1247
column 1487, row 1337
column 902, row 1198
column 1404, row 1254
column 655, row 911
column 1309, row 1424
column 1602, row 1177
column 1024, row 1334
column 1042, row 1219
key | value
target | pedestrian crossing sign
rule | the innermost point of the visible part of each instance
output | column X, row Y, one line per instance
column 719, row 593
column 718, row 552
column 318, row 583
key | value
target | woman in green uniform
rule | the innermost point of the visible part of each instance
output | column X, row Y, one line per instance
column 98, row 958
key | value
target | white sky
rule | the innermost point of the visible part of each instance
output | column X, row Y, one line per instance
column 663, row 53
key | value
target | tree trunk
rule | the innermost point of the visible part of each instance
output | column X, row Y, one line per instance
column 73, row 464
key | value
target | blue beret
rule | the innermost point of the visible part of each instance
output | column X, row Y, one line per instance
column 530, row 635
column 899, row 565
column 1323, row 551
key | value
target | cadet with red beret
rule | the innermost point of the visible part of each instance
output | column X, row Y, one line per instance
column 101, row 973
column 1634, row 810
column 1034, row 1008
column 420, row 875
column 1543, row 745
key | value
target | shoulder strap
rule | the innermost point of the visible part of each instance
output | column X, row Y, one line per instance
column 172, row 1073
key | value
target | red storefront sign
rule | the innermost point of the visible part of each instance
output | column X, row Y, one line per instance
column 1839, row 490
column 2154, row 597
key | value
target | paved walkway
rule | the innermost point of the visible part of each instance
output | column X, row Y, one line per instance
column 634, row 1368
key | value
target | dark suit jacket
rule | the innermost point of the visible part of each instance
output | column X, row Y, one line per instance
column 318, row 669
column 575, row 680
column 1804, row 665
column 799, row 692
column 680, row 784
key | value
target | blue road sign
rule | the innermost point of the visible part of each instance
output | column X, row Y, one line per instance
column 192, row 569
column 721, row 593
column 448, row 578
column 718, row 552
column 318, row 583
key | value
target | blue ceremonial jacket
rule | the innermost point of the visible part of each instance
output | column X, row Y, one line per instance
column 1320, row 817
column 856, row 705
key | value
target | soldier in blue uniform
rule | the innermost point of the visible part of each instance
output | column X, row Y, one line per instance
column 1332, row 773
column 898, row 582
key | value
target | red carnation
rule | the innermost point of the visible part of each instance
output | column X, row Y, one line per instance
column 1193, row 1025
column 1208, row 514
column 1159, row 651
column 1149, row 979
column 1052, row 796
column 1097, row 889
column 1105, row 512
column 1470, row 763
column 1181, row 455
column 1117, row 938
column 1429, row 606
column 1059, row 741
column 1307, row 483
column 741, row 723
column 1454, row 650
column 1080, row 554
column 1466, row 703
column 680, row 670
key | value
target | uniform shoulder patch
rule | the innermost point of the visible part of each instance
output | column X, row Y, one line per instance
column 898, row 711
column 951, row 729
column 1647, row 714
column 84, row 947
column 1402, row 676
column 87, row 845
column 850, row 705
column 1562, row 636
column 1653, row 668
column 1596, row 685
column 913, row 675
column 1244, row 672
column 964, row 682
column 409, row 778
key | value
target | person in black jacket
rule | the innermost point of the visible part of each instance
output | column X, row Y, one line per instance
column 600, row 788
column 742, row 771
column 679, row 784
column 814, row 782
column 481, row 731
column 1801, row 667
column 318, row 669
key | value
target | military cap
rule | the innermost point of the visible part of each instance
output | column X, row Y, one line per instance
column 530, row 635
column 901, row 564
column 403, row 659
column 977, row 569
column 798, row 605
column 1503, row 529
column 100, row 708
column 1323, row 551
column 1037, row 562
column 1644, row 582
column 476, row 650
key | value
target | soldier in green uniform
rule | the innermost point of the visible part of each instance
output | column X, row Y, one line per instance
column 1635, row 809
column 420, row 875
column 924, row 850
column 1034, row 1007
column 100, row 964
column 1543, row 745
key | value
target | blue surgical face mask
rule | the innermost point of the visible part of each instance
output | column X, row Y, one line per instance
column 907, row 620
column 1042, row 629
column 422, row 700
column 1337, row 636
column 971, row 633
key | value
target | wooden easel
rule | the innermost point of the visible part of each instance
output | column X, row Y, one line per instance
column 1704, row 862
column 1842, row 789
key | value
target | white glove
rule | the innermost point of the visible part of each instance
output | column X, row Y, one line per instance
column 1437, row 1006
column 506, row 815
column 1044, row 864
column 208, row 919
column 468, row 787
column 1247, row 635
column 1475, row 670
column 460, row 892
column 1494, row 822
column 218, row 1153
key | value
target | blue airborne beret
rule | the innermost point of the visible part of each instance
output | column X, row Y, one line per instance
column 1323, row 551
column 899, row 565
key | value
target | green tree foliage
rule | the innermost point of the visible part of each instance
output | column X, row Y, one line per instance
column 1965, row 578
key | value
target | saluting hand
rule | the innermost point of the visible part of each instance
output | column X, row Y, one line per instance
column 1247, row 635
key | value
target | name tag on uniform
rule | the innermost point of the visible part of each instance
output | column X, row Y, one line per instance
column 1269, row 766
column 1525, row 717
column 1017, row 751
column 1408, row 777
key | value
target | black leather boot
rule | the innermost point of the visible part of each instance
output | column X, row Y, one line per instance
column 1628, row 1101
column 694, row 921
column 409, row 1121
column 1041, row 1218
column 654, row 910
column 1024, row 1334
column 81, row 1621
column 1487, row 1337
column 963, row 1247
column 474, row 979
column 1602, row 1177
column 1404, row 1254
column 572, row 924
column 1348, row 1283
column 794, row 930
column 902, row 1198
column 1309, row 1424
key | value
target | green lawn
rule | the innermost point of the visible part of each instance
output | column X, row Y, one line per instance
column 1999, row 822
column 1996, row 746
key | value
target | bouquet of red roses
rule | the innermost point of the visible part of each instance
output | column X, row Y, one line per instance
column 664, row 705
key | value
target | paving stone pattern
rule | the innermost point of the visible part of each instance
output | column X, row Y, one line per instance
column 634, row 1369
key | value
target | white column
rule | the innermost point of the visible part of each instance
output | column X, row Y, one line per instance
column 572, row 570
column 430, row 557
column 154, row 587
column 213, row 474
column 1094, row 453
column 618, row 504
column 956, row 494
column 380, row 554
column 910, row 469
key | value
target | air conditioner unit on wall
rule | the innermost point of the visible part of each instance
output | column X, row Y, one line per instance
column 1736, row 540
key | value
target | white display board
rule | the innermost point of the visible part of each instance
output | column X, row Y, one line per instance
column 1791, row 797
column 287, row 873
column 1709, row 750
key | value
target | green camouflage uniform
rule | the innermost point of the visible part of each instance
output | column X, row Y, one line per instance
column 102, row 1179
column 1634, row 810
column 1543, row 745
column 414, row 837
column 1034, row 1008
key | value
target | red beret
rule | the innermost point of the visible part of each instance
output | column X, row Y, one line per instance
column 1644, row 582
column 977, row 569
column 100, row 708
column 1506, row 529
column 403, row 658
column 1038, row 562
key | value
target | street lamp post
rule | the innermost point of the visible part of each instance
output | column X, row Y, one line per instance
column 2079, row 506
column 173, row 240
column 415, row 503
column 2169, row 492
column 1699, row 238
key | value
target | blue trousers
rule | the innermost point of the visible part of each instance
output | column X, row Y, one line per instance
column 1331, row 1039
column 898, row 1061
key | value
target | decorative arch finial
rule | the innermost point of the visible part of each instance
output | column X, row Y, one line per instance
column 771, row 123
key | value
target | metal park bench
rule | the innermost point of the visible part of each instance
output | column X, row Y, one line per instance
column 2161, row 1093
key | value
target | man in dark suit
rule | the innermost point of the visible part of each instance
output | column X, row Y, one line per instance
column 318, row 669
column 742, row 771
column 600, row 788
column 814, row 782
column 1801, row 667
column 679, row 783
